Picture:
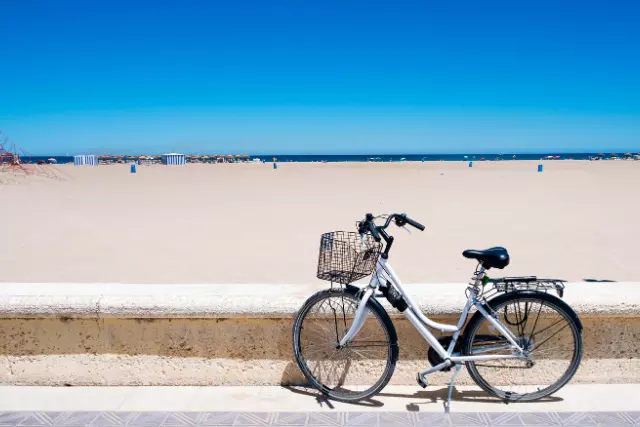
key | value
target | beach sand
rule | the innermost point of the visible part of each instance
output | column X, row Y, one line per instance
column 248, row 223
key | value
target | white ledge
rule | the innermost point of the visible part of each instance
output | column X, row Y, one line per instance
column 94, row 300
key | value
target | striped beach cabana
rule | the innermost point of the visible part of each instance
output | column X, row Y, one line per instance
column 174, row 159
column 85, row 159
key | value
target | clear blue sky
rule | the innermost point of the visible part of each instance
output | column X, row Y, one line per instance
column 330, row 76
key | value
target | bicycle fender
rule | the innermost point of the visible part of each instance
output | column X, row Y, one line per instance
column 542, row 295
column 379, row 309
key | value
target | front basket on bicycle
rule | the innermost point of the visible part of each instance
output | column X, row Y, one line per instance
column 347, row 256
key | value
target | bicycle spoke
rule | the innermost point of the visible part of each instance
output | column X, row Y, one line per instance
column 367, row 344
column 533, row 330
column 362, row 354
column 554, row 334
column 548, row 327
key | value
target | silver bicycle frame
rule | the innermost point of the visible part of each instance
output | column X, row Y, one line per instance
column 421, row 322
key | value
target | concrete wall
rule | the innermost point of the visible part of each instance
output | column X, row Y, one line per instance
column 59, row 334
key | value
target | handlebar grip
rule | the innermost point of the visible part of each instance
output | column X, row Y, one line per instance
column 414, row 223
column 368, row 226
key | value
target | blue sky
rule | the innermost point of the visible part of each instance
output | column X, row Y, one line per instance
column 320, row 77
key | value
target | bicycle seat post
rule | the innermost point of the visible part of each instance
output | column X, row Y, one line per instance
column 478, row 276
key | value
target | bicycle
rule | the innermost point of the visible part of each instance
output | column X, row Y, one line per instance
column 505, row 349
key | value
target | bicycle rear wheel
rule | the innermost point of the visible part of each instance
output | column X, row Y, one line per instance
column 344, row 373
column 544, row 326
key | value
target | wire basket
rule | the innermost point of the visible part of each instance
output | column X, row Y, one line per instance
column 346, row 257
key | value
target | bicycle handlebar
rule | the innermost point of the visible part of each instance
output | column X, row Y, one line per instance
column 368, row 224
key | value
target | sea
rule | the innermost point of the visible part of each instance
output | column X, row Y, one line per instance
column 333, row 158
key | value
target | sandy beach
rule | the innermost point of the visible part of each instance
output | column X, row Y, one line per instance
column 248, row 223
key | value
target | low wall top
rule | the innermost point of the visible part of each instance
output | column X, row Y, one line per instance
column 94, row 300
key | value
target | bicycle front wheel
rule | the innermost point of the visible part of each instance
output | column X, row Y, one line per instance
column 544, row 327
column 356, row 371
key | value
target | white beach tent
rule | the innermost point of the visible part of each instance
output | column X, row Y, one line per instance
column 174, row 159
column 85, row 159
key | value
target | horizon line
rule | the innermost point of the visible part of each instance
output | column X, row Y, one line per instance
column 356, row 154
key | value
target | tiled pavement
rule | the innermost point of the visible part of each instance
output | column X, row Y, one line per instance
column 292, row 419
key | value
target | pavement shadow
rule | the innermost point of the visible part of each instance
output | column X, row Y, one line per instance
column 425, row 397
column 325, row 401
column 598, row 280
column 440, row 395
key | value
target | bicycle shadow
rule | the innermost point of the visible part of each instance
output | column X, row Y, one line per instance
column 324, row 400
column 457, row 395
column 425, row 397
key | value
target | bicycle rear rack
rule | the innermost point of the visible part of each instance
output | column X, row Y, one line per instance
column 528, row 283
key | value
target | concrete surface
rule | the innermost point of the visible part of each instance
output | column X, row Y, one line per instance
column 600, row 405
column 572, row 398
column 92, row 300
column 79, row 334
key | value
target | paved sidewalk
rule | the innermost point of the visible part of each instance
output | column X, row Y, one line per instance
column 369, row 419
column 578, row 405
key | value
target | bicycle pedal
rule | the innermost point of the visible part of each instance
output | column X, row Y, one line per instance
column 422, row 383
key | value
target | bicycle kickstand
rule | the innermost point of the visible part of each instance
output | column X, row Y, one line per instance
column 447, row 404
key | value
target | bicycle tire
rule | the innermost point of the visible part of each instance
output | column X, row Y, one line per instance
column 351, row 293
column 502, row 301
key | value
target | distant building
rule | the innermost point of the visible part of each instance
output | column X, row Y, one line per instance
column 174, row 159
column 85, row 159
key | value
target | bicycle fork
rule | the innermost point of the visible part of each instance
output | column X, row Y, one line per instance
column 358, row 319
